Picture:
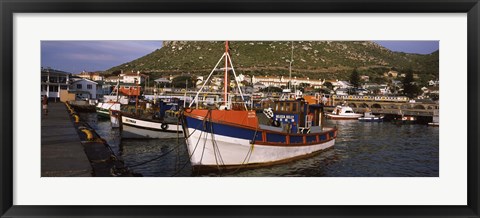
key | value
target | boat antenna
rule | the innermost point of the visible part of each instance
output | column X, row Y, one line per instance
column 290, row 70
column 225, row 85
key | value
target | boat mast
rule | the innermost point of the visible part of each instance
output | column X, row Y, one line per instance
column 290, row 70
column 118, row 84
column 225, row 85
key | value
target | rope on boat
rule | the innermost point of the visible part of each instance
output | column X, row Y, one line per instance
column 249, row 154
column 215, row 147
column 194, row 149
column 156, row 158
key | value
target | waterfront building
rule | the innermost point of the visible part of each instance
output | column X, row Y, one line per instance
column 52, row 81
column 84, row 88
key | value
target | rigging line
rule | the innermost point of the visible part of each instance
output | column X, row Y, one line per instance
column 218, row 148
column 248, row 155
column 214, row 68
column 177, row 155
column 189, row 155
column 162, row 155
column 234, row 74
column 196, row 145
column 214, row 146
column 206, row 133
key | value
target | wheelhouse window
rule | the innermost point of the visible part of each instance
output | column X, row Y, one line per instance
column 79, row 86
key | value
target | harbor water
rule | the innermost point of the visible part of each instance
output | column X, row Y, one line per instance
column 362, row 149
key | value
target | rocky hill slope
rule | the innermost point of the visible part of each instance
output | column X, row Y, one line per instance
column 314, row 59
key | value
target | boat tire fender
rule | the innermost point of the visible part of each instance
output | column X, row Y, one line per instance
column 164, row 126
column 276, row 123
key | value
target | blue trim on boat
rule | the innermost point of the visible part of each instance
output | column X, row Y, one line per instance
column 248, row 134
column 222, row 129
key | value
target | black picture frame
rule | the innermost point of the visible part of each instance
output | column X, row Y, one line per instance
column 9, row 7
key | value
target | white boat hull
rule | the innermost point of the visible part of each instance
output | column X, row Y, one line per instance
column 235, row 152
column 344, row 117
column 141, row 129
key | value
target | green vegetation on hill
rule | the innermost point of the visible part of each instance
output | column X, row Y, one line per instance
column 314, row 59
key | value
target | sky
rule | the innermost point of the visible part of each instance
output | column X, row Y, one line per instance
column 78, row 56
column 417, row 47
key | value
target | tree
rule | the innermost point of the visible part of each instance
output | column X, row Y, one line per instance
column 181, row 81
column 329, row 85
column 355, row 78
column 410, row 89
column 271, row 89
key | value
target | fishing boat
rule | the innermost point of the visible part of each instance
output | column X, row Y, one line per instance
column 342, row 112
column 103, row 108
column 369, row 117
column 150, row 124
column 109, row 103
column 233, row 136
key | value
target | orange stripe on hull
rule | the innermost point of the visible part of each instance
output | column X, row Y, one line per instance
column 242, row 118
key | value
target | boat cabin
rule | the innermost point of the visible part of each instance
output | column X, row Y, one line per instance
column 343, row 110
column 294, row 116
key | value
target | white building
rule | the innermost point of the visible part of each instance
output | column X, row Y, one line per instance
column 278, row 81
column 136, row 78
column 341, row 85
column 52, row 81
column 84, row 88
column 94, row 76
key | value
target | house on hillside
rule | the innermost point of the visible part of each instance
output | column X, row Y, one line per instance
column 258, row 86
column 433, row 83
column 391, row 73
column 94, row 76
column 341, row 85
column 136, row 78
column 341, row 91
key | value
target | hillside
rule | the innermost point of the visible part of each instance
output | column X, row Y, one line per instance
column 314, row 59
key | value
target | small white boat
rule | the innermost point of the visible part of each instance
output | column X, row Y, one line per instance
column 141, row 128
column 103, row 108
column 343, row 113
column 369, row 117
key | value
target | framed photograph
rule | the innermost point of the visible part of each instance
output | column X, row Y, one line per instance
column 239, row 109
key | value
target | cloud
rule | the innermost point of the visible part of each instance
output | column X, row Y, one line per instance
column 94, row 54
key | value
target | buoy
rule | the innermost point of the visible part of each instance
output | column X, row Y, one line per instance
column 77, row 118
column 88, row 133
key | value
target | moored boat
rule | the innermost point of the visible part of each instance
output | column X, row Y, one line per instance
column 163, row 123
column 144, row 128
column 369, row 117
column 343, row 113
column 103, row 108
column 234, row 136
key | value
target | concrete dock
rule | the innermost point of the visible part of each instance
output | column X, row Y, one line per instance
column 62, row 152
